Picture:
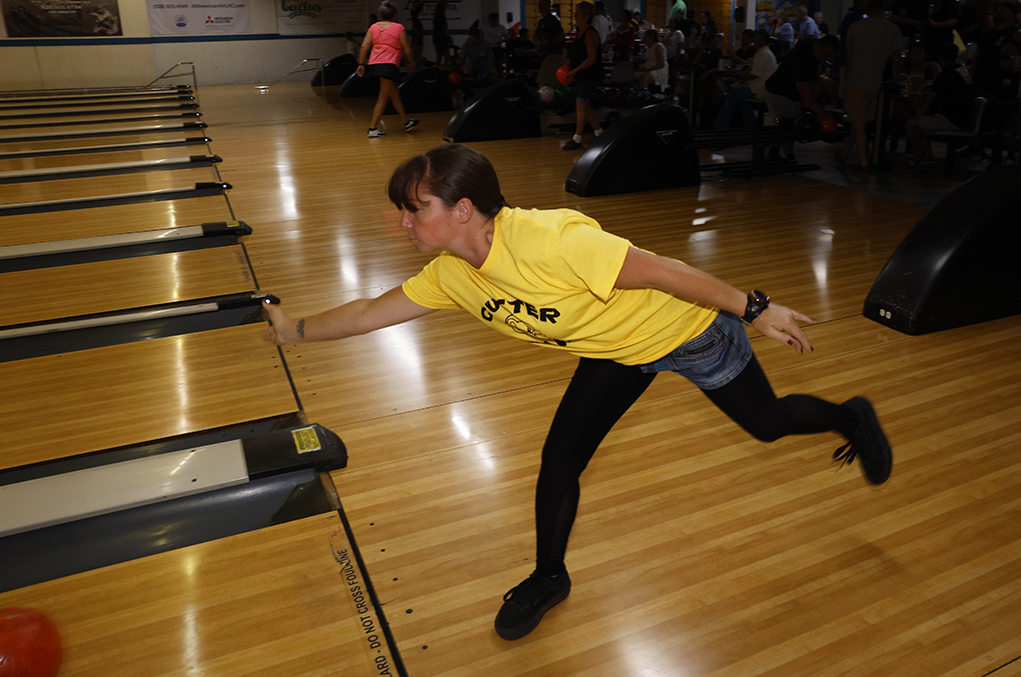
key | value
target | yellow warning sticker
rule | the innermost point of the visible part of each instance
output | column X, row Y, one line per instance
column 306, row 440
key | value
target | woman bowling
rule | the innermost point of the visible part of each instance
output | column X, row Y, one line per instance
column 555, row 279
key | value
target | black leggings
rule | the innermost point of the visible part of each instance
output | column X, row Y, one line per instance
column 599, row 394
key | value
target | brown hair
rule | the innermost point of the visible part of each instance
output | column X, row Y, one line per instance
column 387, row 11
column 450, row 173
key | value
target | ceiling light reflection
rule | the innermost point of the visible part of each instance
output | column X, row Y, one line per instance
column 702, row 244
column 347, row 261
column 181, row 384
column 191, row 654
column 285, row 181
column 461, row 426
column 400, row 345
column 649, row 658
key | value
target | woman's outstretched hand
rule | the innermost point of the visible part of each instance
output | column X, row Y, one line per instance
column 781, row 324
column 282, row 329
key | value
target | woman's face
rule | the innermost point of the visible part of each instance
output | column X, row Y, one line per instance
column 430, row 226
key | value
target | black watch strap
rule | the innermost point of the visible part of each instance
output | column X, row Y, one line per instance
column 757, row 302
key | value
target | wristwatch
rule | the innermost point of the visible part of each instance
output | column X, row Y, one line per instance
column 757, row 302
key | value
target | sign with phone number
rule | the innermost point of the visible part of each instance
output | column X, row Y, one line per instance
column 197, row 18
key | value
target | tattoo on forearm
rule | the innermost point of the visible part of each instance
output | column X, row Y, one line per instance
column 301, row 328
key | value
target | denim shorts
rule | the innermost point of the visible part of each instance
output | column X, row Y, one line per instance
column 712, row 359
column 586, row 89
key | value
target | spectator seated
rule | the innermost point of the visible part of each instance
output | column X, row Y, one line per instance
column 956, row 139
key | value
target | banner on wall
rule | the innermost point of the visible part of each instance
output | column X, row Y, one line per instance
column 765, row 10
column 198, row 17
column 61, row 18
column 320, row 17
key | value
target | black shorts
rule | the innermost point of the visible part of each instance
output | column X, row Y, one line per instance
column 387, row 71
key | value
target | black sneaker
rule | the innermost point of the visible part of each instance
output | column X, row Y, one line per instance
column 524, row 606
column 867, row 442
column 410, row 124
column 571, row 145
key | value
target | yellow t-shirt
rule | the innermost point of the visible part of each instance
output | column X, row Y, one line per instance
column 549, row 279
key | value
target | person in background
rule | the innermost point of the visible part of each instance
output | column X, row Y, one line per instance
column 354, row 48
column 871, row 44
column 790, row 88
column 442, row 40
column 679, row 10
column 415, row 8
column 976, row 17
column 548, row 34
column 495, row 33
column 623, row 37
column 909, row 15
column 674, row 41
column 586, row 59
column 824, row 28
column 388, row 41
column 753, row 79
column 986, row 70
column 939, row 27
column 782, row 30
column 601, row 22
column 523, row 54
column 706, row 67
column 916, row 77
column 804, row 25
column 708, row 26
column 855, row 13
column 654, row 72
column 476, row 58
column 943, row 109
column 915, row 69
column 742, row 56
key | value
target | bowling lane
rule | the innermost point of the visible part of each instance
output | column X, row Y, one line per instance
column 28, row 107
column 79, row 402
column 107, row 154
column 275, row 601
column 106, row 167
column 130, row 218
column 69, row 113
column 100, row 186
column 33, row 139
column 105, row 286
column 160, row 134
column 54, row 96
column 95, row 123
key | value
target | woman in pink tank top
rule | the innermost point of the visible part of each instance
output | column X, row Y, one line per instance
column 387, row 40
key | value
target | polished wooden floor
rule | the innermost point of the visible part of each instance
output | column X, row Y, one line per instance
column 698, row 551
